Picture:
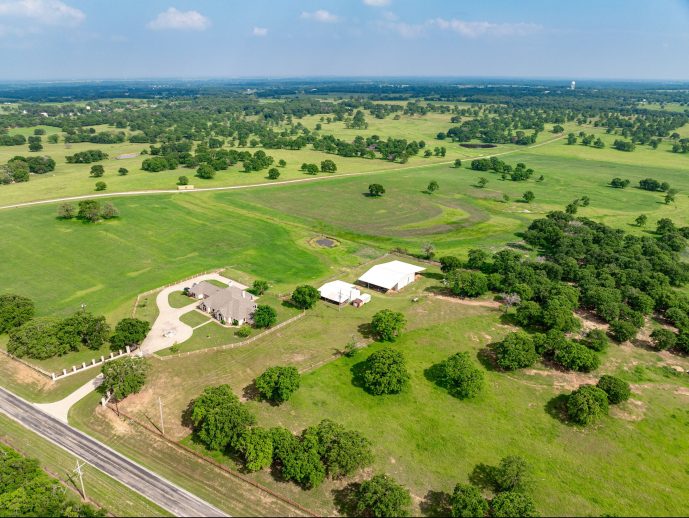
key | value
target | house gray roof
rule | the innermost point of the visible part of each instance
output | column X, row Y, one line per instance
column 205, row 289
column 231, row 303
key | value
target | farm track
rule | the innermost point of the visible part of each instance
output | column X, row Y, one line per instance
column 256, row 185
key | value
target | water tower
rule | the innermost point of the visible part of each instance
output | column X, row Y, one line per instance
column 573, row 85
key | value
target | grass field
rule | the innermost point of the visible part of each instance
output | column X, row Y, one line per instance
column 195, row 318
column 429, row 440
column 101, row 490
column 423, row 437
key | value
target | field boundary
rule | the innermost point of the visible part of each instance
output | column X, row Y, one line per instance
column 233, row 345
column 265, row 184
column 213, row 463
column 27, row 364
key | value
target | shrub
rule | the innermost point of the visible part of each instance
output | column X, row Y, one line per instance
column 219, row 419
column 596, row 340
column 449, row 263
column 277, row 384
column 15, row 310
column 587, row 404
column 36, row 338
column 182, row 180
column 256, row 446
column 512, row 474
column 460, row 376
column 381, row 496
column 123, row 171
column 622, row 330
column 516, row 351
column 66, row 211
column 243, row 331
column 577, row 357
column 511, row 503
column 300, row 461
column 205, row 172
column 101, row 186
column 305, row 296
column 387, row 324
column 342, row 451
column 467, row 501
column 264, row 316
column 129, row 331
column 663, row 338
column 467, row 283
column 385, row 372
column 273, row 173
column 529, row 314
column 617, row 390
column 376, row 189
column 124, row 376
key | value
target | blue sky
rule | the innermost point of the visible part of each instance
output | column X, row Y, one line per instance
column 127, row 39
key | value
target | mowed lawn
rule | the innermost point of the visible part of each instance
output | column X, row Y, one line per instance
column 157, row 240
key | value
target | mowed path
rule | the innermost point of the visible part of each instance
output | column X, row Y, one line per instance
column 262, row 184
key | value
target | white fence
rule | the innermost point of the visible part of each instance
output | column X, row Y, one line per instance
column 93, row 363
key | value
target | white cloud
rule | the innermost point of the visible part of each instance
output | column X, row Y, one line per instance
column 43, row 12
column 406, row 30
column 476, row 29
column 462, row 28
column 321, row 15
column 377, row 3
column 260, row 31
column 179, row 20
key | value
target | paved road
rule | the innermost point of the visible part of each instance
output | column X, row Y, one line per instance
column 155, row 488
column 265, row 184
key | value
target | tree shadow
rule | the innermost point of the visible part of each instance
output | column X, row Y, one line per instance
column 483, row 476
column 357, row 371
column 251, row 393
column 438, row 290
column 557, row 408
column 488, row 359
column 186, row 415
column 509, row 319
column 365, row 330
column 436, row 503
column 434, row 374
column 289, row 304
column 345, row 499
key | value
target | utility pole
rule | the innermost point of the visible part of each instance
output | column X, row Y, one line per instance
column 78, row 471
column 162, row 422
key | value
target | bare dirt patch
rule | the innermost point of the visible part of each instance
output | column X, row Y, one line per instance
column 117, row 425
column 632, row 410
column 563, row 380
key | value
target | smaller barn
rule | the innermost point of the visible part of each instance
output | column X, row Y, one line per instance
column 393, row 275
column 339, row 292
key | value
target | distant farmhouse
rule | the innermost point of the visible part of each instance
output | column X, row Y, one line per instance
column 227, row 305
column 394, row 275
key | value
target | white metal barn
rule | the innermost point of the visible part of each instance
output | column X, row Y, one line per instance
column 394, row 275
column 339, row 292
